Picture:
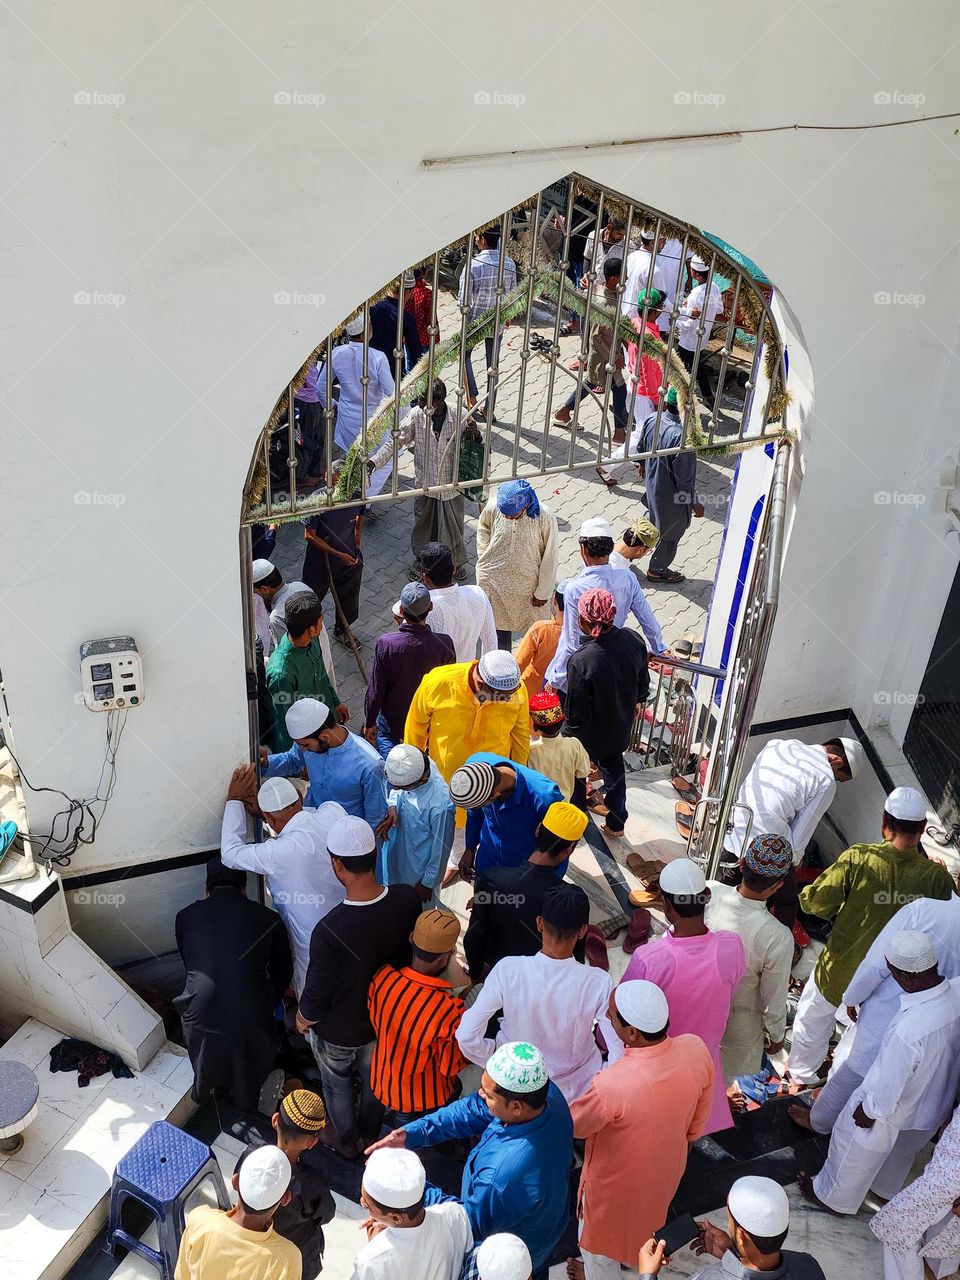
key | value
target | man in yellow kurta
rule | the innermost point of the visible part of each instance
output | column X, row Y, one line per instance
column 467, row 707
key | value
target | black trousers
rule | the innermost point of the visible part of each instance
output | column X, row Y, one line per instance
column 704, row 383
column 345, row 580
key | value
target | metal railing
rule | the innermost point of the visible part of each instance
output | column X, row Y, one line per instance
column 674, row 726
column 742, row 346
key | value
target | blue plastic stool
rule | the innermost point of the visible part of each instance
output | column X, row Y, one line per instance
column 161, row 1172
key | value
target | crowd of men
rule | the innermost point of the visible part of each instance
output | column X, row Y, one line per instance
column 470, row 761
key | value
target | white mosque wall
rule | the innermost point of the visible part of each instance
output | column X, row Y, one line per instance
column 151, row 246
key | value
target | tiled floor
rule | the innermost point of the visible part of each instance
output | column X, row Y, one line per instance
column 51, row 1190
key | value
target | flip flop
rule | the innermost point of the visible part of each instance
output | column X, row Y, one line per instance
column 685, row 789
column 670, row 575
column 605, row 476
column 683, row 820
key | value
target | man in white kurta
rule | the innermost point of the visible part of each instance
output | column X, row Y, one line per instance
column 759, row 1005
column 295, row 861
column 907, row 1093
column 550, row 998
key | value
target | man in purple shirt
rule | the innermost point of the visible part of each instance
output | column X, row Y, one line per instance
column 400, row 661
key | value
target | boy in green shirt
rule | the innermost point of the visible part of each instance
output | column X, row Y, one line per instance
column 296, row 669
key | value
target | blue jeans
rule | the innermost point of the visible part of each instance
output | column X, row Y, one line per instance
column 492, row 348
column 618, row 398
column 339, row 1064
column 385, row 743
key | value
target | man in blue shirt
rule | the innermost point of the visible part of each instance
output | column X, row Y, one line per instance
column 517, row 1177
column 505, row 804
column 340, row 765
column 596, row 544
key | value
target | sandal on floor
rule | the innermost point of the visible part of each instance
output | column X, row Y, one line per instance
column 668, row 575
column 685, row 789
column 606, row 477
column 684, row 820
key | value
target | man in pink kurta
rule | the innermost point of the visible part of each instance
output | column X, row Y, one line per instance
column 697, row 970
column 638, row 1116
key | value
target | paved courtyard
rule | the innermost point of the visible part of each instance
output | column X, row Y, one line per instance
column 573, row 495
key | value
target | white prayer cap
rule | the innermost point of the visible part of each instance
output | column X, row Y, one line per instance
column 355, row 327
column 499, row 670
column 305, row 717
column 759, row 1205
column 595, row 527
column 394, row 1178
column 856, row 756
column 404, row 765
column 262, row 569
column 351, row 837
column 648, row 233
column 907, row 804
column 264, row 1177
column 517, row 1066
column 682, row 878
column 504, row 1257
column 276, row 794
column 911, row 951
column 643, row 1005
column 698, row 264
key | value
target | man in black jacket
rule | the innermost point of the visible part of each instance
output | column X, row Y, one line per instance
column 607, row 683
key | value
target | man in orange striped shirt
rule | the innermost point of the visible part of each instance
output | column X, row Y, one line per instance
column 415, row 1015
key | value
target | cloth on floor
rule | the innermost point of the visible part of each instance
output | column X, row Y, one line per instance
column 87, row 1060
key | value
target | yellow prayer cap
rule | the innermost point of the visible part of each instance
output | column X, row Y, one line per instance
column 565, row 820
column 305, row 1110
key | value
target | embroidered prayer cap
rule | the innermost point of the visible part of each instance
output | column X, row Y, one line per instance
column 355, row 327
column 565, row 820
column 682, row 878
column 306, row 717
column 760, row 1206
column 595, row 527
column 565, row 906
column 856, row 756
column 305, row 1110
column 394, row 1178
column 598, row 609
column 404, row 765
column 262, row 569
column 769, row 856
column 415, row 600
column 472, row 784
column 912, row 951
column 516, row 497
column 503, row 1257
column 350, row 837
column 698, row 264
column 276, row 794
column 643, row 1005
column 499, row 670
column 436, row 556
column 264, row 1177
column 436, row 931
column 518, row 1066
column 545, row 710
column 907, row 804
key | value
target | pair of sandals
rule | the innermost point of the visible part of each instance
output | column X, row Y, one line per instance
column 543, row 346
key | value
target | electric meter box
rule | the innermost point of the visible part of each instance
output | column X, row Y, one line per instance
column 112, row 674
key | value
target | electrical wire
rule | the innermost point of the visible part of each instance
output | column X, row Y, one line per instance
column 79, row 819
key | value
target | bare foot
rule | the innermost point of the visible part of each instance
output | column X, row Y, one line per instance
column 450, row 875
column 800, row 1116
column 805, row 1183
column 562, row 415
column 575, row 1268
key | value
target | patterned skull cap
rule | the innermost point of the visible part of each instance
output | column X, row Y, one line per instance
column 597, row 608
column 769, row 856
column 518, row 1066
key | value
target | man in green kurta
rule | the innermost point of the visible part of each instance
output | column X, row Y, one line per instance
column 865, row 887
column 296, row 669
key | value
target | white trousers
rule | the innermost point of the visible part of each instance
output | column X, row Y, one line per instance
column 861, row 1159
column 812, row 1028
column 597, row 1266
column 458, row 848
column 897, row 1266
column 833, row 1097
